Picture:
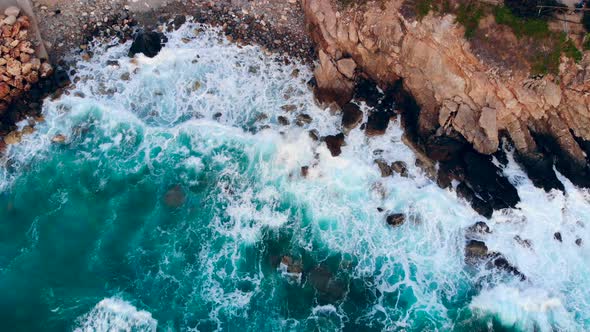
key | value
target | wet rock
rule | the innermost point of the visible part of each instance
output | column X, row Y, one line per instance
column 396, row 219
column 377, row 123
column 323, row 281
column 334, row 144
column 175, row 197
column 579, row 242
column 114, row 63
column 59, row 139
column 501, row 263
column 479, row 227
column 304, row 171
column 289, row 108
column 13, row 137
column 523, row 242
column 557, row 236
column 149, row 43
column 314, row 135
column 384, row 168
column 303, row 119
column 400, row 168
column 475, row 250
column 351, row 116
column 283, row 120
column 291, row 266
column 479, row 205
column 179, row 20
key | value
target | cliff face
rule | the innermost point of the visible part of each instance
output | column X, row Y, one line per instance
column 462, row 96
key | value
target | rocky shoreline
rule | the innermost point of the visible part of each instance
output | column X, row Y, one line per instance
column 451, row 105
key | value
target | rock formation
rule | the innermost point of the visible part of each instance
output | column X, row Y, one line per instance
column 466, row 102
column 19, row 67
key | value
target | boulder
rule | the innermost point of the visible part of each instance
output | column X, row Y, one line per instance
column 334, row 144
column 377, row 123
column 175, row 197
column 479, row 227
column 396, row 219
column 59, row 138
column 351, row 116
column 384, row 168
column 149, row 43
column 400, row 168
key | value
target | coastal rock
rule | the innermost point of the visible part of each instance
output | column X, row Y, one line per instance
column 377, row 123
column 351, row 116
column 59, row 139
column 400, row 168
column 334, row 144
column 149, row 43
column 462, row 89
column 396, row 219
column 12, row 11
column 384, row 168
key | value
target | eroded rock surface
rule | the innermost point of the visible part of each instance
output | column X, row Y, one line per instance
column 461, row 97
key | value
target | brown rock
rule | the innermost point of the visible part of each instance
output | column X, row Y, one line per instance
column 346, row 67
column 396, row 219
column 334, row 144
column 400, row 168
column 14, row 137
column 385, row 169
column 59, row 139
column 175, row 197
column 351, row 116
column 4, row 89
column 46, row 70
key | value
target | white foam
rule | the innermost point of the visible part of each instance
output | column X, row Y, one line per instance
column 114, row 314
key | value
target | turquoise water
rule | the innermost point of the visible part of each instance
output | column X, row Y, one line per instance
column 177, row 203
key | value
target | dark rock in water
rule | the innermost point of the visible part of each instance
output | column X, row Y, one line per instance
column 579, row 242
column 523, row 242
column 540, row 171
column 114, row 63
column 385, row 169
column 501, row 263
column 304, row 171
column 351, row 116
column 322, row 280
column 475, row 250
column 479, row 227
column 377, row 123
column 380, row 209
column 400, row 168
column 443, row 148
column 485, row 179
column 179, row 20
column 314, row 135
column 283, row 120
column 291, row 265
column 303, row 119
column 175, row 197
column 479, row 205
column 149, row 43
column 334, row 144
column 396, row 219
column 289, row 108
column 557, row 236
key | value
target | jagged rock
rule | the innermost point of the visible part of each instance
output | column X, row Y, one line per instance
column 377, row 123
column 14, row 137
column 332, row 86
column 473, row 95
column 396, row 219
column 346, row 67
column 282, row 120
column 303, row 119
column 400, row 168
column 59, row 138
column 149, row 43
column 479, row 227
column 334, row 144
column 46, row 70
column 351, row 116
column 384, row 168
column 557, row 236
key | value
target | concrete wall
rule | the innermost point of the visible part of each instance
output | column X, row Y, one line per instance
column 27, row 8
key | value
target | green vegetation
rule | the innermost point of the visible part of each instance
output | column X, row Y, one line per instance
column 535, row 28
column 423, row 7
column 469, row 15
column 548, row 62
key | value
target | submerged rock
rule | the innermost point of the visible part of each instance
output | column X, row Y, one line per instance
column 149, row 43
column 477, row 252
column 59, row 138
column 175, row 197
column 334, row 144
column 323, row 281
column 396, row 219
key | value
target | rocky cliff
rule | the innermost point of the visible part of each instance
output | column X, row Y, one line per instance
column 468, row 96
